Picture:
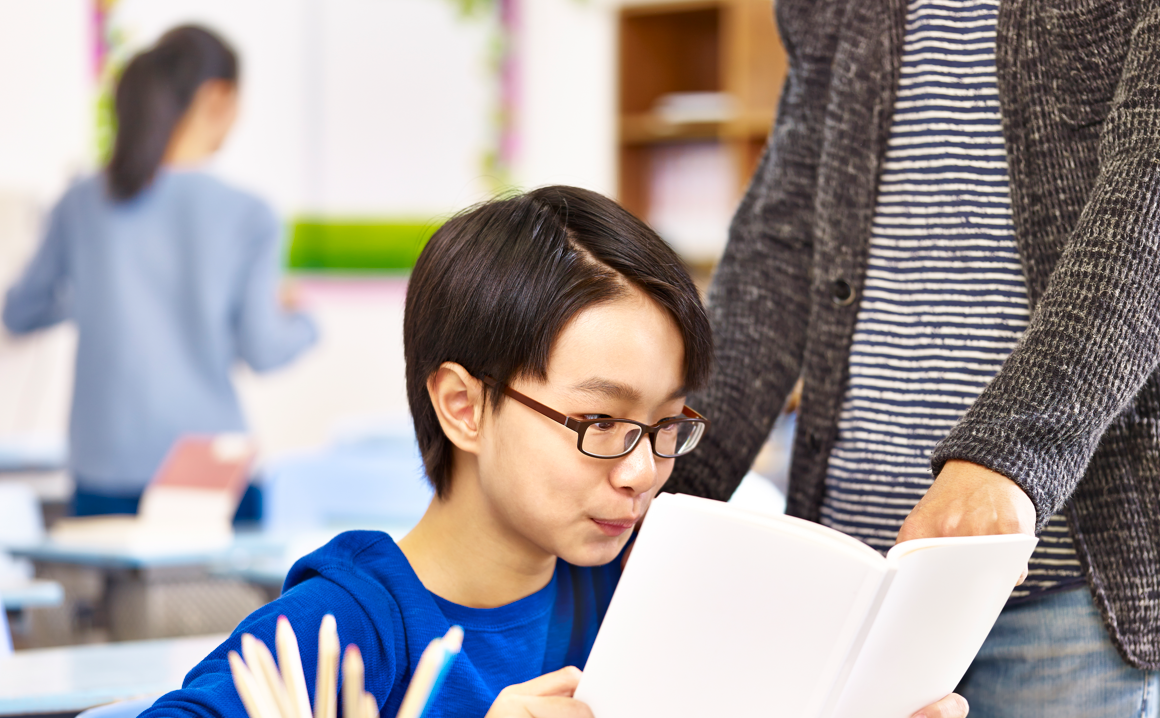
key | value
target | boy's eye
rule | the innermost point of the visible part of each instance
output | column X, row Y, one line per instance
column 602, row 425
column 669, row 427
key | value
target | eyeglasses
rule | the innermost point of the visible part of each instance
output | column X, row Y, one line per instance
column 613, row 438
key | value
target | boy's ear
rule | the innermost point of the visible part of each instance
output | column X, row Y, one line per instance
column 458, row 398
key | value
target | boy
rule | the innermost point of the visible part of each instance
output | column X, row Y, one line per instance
column 550, row 340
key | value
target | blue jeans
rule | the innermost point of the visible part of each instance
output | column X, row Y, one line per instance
column 1052, row 657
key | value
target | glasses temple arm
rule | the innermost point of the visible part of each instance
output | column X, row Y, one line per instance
column 530, row 403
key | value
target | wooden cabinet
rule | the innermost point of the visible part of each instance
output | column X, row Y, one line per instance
column 702, row 76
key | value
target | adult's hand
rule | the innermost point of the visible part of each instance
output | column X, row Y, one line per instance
column 953, row 706
column 549, row 696
column 970, row 500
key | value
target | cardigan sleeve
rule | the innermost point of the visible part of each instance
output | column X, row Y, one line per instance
column 1094, row 337
column 267, row 335
column 40, row 298
column 759, row 299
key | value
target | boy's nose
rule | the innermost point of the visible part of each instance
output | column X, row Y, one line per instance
column 636, row 472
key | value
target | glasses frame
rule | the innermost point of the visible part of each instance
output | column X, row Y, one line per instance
column 581, row 425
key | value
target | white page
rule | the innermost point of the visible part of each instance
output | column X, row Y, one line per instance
column 938, row 610
column 723, row 612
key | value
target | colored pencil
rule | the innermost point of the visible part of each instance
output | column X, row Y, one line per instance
column 270, row 689
column 326, row 683
column 290, row 661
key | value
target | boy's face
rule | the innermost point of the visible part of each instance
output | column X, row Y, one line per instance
column 621, row 360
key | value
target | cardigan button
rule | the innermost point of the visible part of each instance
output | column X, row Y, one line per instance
column 841, row 293
column 814, row 442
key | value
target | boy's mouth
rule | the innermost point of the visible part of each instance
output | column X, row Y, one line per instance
column 614, row 528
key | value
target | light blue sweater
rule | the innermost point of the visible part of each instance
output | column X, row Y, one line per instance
column 168, row 291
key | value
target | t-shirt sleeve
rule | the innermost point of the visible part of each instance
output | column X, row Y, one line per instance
column 267, row 335
column 208, row 690
column 40, row 298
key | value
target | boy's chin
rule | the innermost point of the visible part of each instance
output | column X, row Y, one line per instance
column 594, row 553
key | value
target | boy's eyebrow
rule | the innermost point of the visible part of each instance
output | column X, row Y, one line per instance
column 609, row 389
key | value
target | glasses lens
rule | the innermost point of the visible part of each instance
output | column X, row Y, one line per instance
column 611, row 438
column 678, row 438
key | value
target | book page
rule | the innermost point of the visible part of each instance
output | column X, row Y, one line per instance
column 945, row 596
column 723, row 612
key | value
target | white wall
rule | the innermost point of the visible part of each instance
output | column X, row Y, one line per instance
column 566, row 121
column 45, row 71
column 405, row 93
column 351, row 107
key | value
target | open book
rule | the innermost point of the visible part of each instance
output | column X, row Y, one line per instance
column 726, row 612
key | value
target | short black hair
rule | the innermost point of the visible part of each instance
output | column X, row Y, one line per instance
column 496, row 285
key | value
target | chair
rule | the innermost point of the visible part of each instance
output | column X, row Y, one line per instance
column 21, row 524
column 120, row 709
column 5, row 634
column 371, row 478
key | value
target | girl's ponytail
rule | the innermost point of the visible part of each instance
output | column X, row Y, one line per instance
column 153, row 94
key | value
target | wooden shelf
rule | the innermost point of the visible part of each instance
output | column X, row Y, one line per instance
column 695, row 46
column 648, row 127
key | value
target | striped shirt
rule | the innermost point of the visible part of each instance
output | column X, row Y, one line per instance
column 944, row 301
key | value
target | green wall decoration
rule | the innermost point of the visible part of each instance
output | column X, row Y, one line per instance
column 374, row 245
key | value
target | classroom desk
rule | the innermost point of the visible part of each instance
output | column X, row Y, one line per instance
column 33, row 594
column 69, row 680
column 135, row 595
column 140, row 595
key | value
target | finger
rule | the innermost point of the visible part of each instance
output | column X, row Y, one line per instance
column 557, row 683
column 953, row 706
column 557, row 707
column 1022, row 578
column 912, row 528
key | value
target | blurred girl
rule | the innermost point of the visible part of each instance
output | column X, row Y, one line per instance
column 169, row 274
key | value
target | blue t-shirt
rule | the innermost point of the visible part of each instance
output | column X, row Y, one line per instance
column 365, row 581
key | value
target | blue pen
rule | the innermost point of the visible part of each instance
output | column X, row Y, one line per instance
column 429, row 674
column 451, row 645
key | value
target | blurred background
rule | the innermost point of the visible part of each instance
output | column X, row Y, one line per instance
column 365, row 124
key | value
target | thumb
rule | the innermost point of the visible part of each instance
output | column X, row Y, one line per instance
column 557, row 683
column 953, row 706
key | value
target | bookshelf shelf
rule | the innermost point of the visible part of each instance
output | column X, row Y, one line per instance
column 702, row 77
column 648, row 127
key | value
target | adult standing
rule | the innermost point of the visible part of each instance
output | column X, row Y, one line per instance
column 954, row 239
column 169, row 274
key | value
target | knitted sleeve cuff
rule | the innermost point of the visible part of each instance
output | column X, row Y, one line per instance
column 1043, row 468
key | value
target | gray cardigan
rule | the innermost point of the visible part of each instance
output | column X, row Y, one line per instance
column 1074, row 414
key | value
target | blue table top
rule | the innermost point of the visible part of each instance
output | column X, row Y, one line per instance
column 109, row 557
column 32, row 452
column 33, row 594
column 263, row 557
column 58, row 680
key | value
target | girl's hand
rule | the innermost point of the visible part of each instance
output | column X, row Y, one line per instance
column 549, row 696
